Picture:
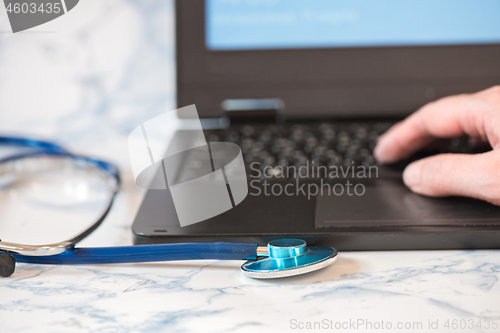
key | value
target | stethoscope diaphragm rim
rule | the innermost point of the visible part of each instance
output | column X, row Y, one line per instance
column 313, row 259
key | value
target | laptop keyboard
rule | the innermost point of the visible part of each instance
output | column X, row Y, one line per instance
column 314, row 144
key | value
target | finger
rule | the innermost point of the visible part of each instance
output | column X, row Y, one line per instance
column 474, row 176
column 437, row 119
column 448, row 117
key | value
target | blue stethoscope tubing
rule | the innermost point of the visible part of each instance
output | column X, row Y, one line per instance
column 282, row 257
column 147, row 253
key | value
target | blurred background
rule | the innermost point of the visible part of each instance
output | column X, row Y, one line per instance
column 89, row 77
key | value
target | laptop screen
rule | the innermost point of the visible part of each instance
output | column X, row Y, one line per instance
column 295, row 24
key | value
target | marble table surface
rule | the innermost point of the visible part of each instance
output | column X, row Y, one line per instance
column 90, row 77
column 411, row 289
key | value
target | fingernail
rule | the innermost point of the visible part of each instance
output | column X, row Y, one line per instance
column 411, row 175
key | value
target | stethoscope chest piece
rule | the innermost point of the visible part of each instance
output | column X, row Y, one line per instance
column 289, row 257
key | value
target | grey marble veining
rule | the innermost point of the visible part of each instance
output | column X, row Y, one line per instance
column 90, row 77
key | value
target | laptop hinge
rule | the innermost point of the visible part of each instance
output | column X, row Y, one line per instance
column 253, row 110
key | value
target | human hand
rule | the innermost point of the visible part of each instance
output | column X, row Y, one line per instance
column 478, row 175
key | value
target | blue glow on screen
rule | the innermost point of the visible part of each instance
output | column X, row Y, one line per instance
column 276, row 24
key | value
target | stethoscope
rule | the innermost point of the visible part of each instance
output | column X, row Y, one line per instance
column 281, row 257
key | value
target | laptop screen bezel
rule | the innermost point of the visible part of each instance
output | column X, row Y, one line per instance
column 325, row 82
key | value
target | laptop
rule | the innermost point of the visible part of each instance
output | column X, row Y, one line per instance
column 304, row 89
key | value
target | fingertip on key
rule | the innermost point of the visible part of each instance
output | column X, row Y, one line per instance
column 382, row 152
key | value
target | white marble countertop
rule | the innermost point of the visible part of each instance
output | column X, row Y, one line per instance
column 411, row 288
column 87, row 79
